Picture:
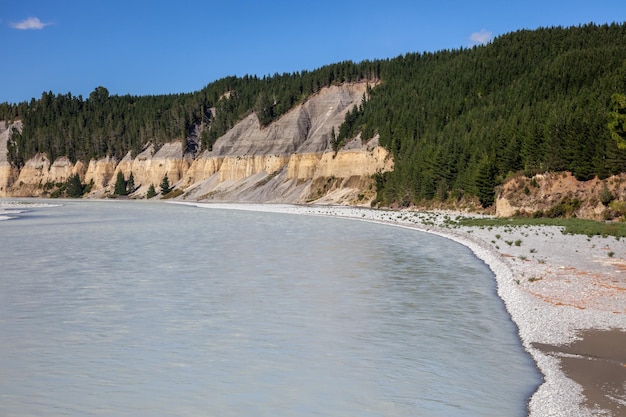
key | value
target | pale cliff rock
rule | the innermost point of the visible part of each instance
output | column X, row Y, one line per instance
column 38, row 174
column 62, row 168
column 8, row 174
column 288, row 161
column 325, row 177
column 32, row 177
column 304, row 129
column 100, row 172
column 346, row 163
column 291, row 160
column 522, row 195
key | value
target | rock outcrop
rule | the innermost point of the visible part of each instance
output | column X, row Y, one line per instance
column 8, row 174
column 593, row 199
column 290, row 160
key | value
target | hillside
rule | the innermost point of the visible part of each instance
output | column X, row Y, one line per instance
column 290, row 161
column 458, row 124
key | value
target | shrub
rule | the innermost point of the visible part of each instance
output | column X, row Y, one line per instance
column 618, row 208
column 173, row 194
column 565, row 208
column 606, row 196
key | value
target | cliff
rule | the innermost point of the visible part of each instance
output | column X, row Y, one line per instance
column 289, row 161
column 8, row 174
column 559, row 193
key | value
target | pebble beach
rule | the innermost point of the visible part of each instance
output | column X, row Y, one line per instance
column 566, row 294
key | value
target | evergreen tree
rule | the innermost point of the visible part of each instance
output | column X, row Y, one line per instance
column 264, row 109
column 165, row 185
column 130, row 185
column 151, row 192
column 120, row 184
column 485, row 181
column 333, row 139
column 74, row 188
column 617, row 119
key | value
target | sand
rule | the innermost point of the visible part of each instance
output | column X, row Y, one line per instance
column 565, row 293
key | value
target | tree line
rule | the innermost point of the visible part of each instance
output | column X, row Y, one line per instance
column 458, row 122
column 111, row 125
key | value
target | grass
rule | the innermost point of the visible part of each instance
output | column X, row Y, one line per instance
column 172, row 194
column 573, row 226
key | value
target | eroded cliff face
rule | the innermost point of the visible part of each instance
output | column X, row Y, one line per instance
column 324, row 177
column 289, row 161
column 561, row 192
column 8, row 174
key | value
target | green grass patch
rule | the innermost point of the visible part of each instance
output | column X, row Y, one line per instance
column 173, row 194
column 573, row 226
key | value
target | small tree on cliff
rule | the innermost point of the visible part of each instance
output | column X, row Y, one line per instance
column 264, row 109
column 130, row 185
column 120, row 184
column 74, row 188
column 151, row 191
column 165, row 185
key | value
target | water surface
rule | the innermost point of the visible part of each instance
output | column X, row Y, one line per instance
column 148, row 309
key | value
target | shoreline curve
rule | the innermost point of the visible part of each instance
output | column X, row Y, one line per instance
column 558, row 290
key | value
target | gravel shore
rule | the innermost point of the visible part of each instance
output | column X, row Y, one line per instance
column 565, row 293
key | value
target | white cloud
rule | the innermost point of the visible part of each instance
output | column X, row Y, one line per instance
column 480, row 38
column 30, row 23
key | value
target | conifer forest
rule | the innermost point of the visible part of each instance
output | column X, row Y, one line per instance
column 458, row 122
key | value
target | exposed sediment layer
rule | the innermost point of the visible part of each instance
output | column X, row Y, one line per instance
column 290, row 161
column 8, row 174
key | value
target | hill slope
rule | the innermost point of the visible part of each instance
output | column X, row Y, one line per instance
column 458, row 123
column 290, row 160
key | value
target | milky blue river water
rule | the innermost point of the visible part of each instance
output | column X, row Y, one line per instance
column 120, row 308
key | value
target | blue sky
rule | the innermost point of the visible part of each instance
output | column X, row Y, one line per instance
column 159, row 47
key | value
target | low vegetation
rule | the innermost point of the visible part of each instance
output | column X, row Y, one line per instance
column 572, row 226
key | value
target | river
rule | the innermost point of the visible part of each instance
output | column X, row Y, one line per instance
column 148, row 309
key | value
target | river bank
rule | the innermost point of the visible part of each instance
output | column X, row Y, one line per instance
column 565, row 293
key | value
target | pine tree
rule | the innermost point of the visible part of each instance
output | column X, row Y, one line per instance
column 151, row 191
column 165, row 185
column 264, row 109
column 617, row 120
column 485, row 181
column 130, row 185
column 74, row 188
column 120, row 184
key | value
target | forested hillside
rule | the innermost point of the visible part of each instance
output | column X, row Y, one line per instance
column 533, row 101
column 458, row 122
column 110, row 125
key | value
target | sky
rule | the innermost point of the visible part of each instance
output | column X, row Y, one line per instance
column 151, row 47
